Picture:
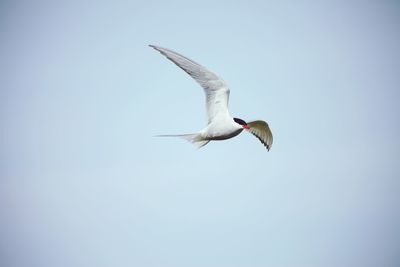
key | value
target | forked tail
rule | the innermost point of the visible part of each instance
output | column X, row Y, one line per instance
column 195, row 139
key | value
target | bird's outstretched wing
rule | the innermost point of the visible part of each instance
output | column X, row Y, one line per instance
column 217, row 93
column 261, row 130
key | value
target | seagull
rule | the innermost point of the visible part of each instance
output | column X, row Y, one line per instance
column 221, row 125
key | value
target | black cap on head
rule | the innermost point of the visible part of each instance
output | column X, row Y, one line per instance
column 240, row 121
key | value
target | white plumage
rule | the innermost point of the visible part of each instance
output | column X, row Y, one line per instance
column 221, row 125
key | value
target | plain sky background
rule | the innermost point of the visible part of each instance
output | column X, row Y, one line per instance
column 85, row 183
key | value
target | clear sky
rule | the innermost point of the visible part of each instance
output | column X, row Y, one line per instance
column 85, row 183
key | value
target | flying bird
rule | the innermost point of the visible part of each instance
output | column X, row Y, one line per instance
column 221, row 125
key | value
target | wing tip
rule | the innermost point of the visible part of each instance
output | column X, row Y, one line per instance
column 162, row 50
column 153, row 46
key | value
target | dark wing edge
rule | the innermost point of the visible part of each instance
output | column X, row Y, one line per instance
column 261, row 130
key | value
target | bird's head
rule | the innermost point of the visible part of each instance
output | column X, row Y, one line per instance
column 241, row 122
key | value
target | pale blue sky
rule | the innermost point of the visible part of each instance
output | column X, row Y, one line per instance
column 84, row 183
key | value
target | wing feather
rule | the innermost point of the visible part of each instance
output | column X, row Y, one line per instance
column 217, row 92
column 261, row 130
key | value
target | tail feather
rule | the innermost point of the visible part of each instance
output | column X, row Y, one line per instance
column 195, row 139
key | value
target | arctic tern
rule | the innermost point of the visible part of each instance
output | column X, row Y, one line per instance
column 221, row 125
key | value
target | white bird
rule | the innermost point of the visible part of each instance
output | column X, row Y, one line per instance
column 221, row 125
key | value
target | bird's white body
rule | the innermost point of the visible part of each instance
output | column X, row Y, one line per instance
column 221, row 128
column 220, row 125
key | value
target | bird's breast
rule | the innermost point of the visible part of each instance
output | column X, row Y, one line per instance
column 222, row 135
